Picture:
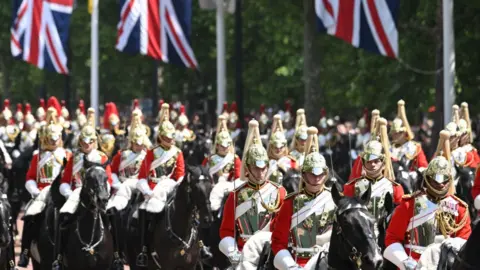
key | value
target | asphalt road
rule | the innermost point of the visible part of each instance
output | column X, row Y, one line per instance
column 17, row 246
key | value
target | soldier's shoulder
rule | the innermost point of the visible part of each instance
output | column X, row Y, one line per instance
column 292, row 195
column 460, row 201
column 394, row 183
column 408, row 197
column 275, row 184
column 354, row 180
column 240, row 187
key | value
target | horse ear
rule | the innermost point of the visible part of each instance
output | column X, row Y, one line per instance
column 389, row 203
column 336, row 195
column 365, row 198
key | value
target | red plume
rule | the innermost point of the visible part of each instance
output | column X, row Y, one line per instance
column 135, row 104
column 42, row 104
column 28, row 108
column 113, row 108
column 262, row 108
column 64, row 104
column 288, row 106
column 106, row 114
column 81, row 106
column 182, row 109
column 225, row 106
column 19, row 107
column 323, row 112
column 6, row 103
column 160, row 103
column 233, row 107
column 53, row 102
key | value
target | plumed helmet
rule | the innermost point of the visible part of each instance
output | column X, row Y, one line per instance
column 7, row 113
column 165, row 127
column 88, row 132
column 253, row 153
column 400, row 123
column 138, row 134
column 19, row 113
column 40, row 113
column 65, row 113
column 314, row 162
column 233, row 115
column 222, row 136
column 182, row 119
column 277, row 138
column 53, row 103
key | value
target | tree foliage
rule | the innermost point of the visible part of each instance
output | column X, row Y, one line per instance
column 273, row 60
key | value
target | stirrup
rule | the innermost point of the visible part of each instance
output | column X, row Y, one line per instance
column 142, row 258
column 57, row 264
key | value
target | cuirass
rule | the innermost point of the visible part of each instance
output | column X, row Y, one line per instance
column 167, row 167
column 133, row 163
column 256, row 217
column 380, row 188
column 304, row 234
column 51, row 168
column 216, row 159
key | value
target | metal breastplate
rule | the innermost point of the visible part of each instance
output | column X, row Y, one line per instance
column 376, row 206
column 167, row 167
column 304, row 235
column 215, row 159
column 257, row 217
column 134, row 163
column 50, row 170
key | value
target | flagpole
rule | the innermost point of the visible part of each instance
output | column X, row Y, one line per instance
column 221, row 66
column 94, row 59
column 448, row 61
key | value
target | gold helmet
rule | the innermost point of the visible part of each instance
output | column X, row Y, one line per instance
column 165, row 127
column 300, row 128
column 440, row 169
column 182, row 119
column 400, row 123
column 277, row 137
column 138, row 134
column 314, row 161
column 380, row 149
column 223, row 137
column 51, row 132
column 40, row 113
column 253, row 153
column 88, row 133
column 29, row 118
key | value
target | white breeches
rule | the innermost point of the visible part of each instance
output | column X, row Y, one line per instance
column 122, row 196
column 36, row 205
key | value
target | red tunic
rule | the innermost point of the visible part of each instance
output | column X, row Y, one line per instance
column 281, row 234
column 476, row 185
column 146, row 173
column 115, row 165
column 227, row 227
column 235, row 173
column 398, row 228
column 349, row 190
column 71, row 179
column 32, row 173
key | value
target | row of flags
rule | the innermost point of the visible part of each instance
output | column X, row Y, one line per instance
column 161, row 29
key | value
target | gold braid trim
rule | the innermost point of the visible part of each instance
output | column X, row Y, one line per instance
column 271, row 209
column 447, row 224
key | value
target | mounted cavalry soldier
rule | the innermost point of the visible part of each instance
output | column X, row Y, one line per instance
column 111, row 128
column 19, row 116
column 428, row 216
column 357, row 167
column 223, row 163
column 306, row 217
column 183, row 133
column 125, row 169
column 29, row 133
column 251, row 207
column 160, row 171
column 40, row 113
column 404, row 149
column 279, row 159
column 378, row 174
column 45, row 166
column 9, row 130
column 466, row 137
column 297, row 147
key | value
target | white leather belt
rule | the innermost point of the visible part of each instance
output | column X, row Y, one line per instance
column 314, row 249
column 245, row 236
column 158, row 179
column 46, row 180
column 415, row 247
column 123, row 179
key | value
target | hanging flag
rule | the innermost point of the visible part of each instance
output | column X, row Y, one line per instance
column 366, row 24
column 39, row 33
column 157, row 28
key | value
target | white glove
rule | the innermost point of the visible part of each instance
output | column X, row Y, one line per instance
column 234, row 257
column 410, row 264
column 15, row 153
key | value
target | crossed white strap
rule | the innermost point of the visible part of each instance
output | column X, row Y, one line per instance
column 266, row 191
column 227, row 159
column 166, row 155
column 309, row 209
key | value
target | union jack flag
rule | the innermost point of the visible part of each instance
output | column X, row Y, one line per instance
column 157, row 28
column 39, row 32
column 366, row 24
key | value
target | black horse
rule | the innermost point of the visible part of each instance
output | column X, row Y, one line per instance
column 90, row 244
column 409, row 182
column 196, row 151
column 466, row 176
column 176, row 240
column 6, row 238
column 352, row 244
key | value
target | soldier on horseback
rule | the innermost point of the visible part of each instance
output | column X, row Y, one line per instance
column 428, row 216
column 404, row 149
column 279, row 159
column 40, row 113
column 29, row 132
column 162, row 167
column 376, row 163
column 306, row 217
column 297, row 147
column 111, row 128
column 466, row 137
column 232, row 123
column 45, row 166
column 125, row 169
column 251, row 207
column 183, row 133
column 288, row 121
column 223, row 162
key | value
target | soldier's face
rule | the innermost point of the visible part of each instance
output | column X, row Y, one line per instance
column 277, row 151
column 374, row 165
column 301, row 144
column 258, row 173
column 87, row 147
column 398, row 137
column 313, row 180
column 137, row 147
column 222, row 150
column 166, row 141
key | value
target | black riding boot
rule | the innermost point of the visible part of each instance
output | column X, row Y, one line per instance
column 60, row 238
column 11, row 250
column 27, row 237
column 118, row 251
column 142, row 258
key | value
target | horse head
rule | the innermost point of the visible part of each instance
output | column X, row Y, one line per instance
column 4, row 221
column 95, row 194
column 353, row 244
column 291, row 179
column 199, row 184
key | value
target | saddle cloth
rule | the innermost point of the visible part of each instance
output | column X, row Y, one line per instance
column 122, row 196
column 159, row 197
column 431, row 255
column 36, row 205
column 71, row 204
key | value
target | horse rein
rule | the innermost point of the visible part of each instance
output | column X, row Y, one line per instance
column 355, row 255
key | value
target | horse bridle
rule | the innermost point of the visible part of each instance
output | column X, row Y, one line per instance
column 355, row 255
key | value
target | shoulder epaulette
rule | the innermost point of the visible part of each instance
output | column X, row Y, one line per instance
column 291, row 195
column 410, row 196
column 275, row 184
column 354, row 180
column 241, row 186
column 460, row 201
column 393, row 182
